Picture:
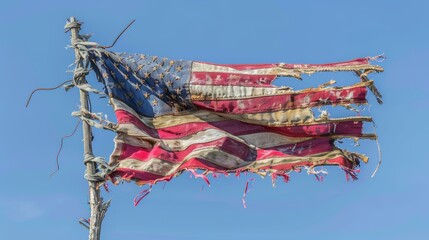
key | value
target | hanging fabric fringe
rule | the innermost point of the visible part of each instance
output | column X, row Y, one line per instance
column 246, row 190
column 142, row 195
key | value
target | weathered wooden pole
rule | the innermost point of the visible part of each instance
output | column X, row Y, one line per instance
column 98, row 209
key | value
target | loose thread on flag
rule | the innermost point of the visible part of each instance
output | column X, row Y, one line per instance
column 246, row 190
column 351, row 173
column 218, row 174
column 142, row 195
column 274, row 176
column 200, row 175
column 319, row 174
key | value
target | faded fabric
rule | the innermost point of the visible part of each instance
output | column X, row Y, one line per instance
column 176, row 115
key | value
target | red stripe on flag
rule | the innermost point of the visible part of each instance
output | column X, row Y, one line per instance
column 125, row 117
column 225, row 144
column 349, row 128
column 286, row 101
column 310, row 147
column 198, row 163
column 244, row 152
column 234, row 127
column 143, row 177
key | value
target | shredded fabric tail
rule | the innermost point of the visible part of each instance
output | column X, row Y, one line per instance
column 283, row 175
column 351, row 173
column 200, row 175
column 142, row 195
column 246, row 190
column 319, row 175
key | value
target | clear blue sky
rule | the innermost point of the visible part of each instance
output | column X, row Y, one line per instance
column 393, row 205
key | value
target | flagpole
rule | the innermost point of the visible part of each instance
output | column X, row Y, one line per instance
column 98, row 209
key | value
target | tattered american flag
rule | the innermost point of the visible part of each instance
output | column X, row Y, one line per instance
column 175, row 116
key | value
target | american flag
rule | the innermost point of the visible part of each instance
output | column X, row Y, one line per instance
column 175, row 116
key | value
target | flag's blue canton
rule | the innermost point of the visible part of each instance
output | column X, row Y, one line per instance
column 150, row 85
